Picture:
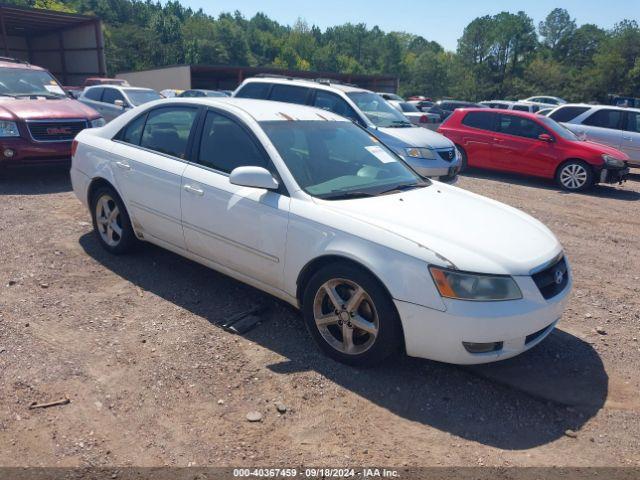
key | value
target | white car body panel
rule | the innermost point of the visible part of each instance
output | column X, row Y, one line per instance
column 623, row 139
column 266, row 239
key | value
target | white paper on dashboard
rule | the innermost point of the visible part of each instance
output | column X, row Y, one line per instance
column 380, row 153
column 54, row 89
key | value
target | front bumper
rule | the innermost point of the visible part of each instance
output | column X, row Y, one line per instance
column 519, row 325
column 26, row 153
column 434, row 168
column 614, row 175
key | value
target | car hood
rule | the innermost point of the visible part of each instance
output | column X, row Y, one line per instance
column 28, row 109
column 464, row 230
column 412, row 137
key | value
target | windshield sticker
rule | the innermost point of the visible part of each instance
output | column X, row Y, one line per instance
column 380, row 153
column 54, row 89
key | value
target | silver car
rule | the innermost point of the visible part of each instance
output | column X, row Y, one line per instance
column 617, row 127
column 429, row 153
column 111, row 100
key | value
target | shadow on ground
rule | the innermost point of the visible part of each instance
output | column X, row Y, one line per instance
column 35, row 181
column 517, row 404
column 614, row 192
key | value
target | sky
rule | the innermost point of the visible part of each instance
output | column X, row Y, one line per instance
column 439, row 20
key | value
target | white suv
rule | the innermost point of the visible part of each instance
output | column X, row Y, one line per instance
column 429, row 153
column 614, row 126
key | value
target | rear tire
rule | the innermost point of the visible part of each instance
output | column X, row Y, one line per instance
column 351, row 316
column 111, row 222
column 575, row 176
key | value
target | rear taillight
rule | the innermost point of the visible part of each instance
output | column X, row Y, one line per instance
column 74, row 147
column 424, row 119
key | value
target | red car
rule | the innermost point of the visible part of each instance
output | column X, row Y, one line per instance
column 530, row 144
column 38, row 120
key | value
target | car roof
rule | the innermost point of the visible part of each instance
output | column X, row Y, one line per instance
column 308, row 83
column 121, row 87
column 19, row 64
column 517, row 113
column 598, row 107
column 262, row 110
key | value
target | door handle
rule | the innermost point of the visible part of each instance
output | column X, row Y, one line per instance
column 123, row 166
column 194, row 190
column 627, row 138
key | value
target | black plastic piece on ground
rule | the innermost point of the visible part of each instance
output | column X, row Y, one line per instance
column 242, row 322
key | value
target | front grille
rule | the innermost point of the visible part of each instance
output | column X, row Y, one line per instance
column 552, row 280
column 55, row 130
column 447, row 155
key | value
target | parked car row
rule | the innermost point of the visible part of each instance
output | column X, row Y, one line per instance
column 530, row 144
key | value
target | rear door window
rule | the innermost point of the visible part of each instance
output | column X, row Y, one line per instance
column 566, row 114
column 258, row 90
column 481, row 120
column 289, row 94
column 605, row 118
column 132, row 133
column 167, row 130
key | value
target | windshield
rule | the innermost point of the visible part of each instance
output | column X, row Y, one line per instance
column 408, row 107
column 337, row 160
column 21, row 82
column 378, row 110
column 560, row 130
column 138, row 97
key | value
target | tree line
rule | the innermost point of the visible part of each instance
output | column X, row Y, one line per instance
column 499, row 56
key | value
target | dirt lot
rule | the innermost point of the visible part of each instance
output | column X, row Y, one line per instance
column 135, row 343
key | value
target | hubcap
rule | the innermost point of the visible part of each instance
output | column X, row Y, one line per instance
column 108, row 220
column 573, row 176
column 346, row 316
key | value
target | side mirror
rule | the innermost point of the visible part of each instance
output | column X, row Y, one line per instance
column 545, row 137
column 255, row 177
column 119, row 103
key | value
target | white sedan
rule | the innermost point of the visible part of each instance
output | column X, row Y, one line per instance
column 312, row 209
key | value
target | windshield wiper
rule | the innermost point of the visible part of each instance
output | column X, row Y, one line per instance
column 402, row 188
column 36, row 94
column 7, row 95
column 343, row 195
column 400, row 124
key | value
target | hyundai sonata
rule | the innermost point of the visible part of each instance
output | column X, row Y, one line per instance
column 311, row 208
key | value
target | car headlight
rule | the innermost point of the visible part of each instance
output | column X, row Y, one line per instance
column 610, row 161
column 9, row 129
column 98, row 122
column 415, row 152
column 472, row 286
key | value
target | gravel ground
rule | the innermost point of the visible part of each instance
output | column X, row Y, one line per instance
column 135, row 343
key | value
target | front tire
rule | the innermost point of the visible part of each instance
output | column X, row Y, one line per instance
column 350, row 315
column 575, row 176
column 111, row 222
column 464, row 160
